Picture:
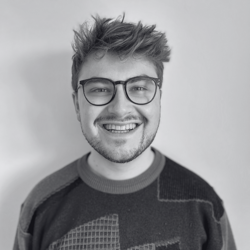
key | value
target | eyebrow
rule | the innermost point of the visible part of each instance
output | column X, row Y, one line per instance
column 142, row 75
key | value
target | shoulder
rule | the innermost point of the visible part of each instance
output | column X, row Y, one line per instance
column 45, row 188
column 53, row 182
column 177, row 183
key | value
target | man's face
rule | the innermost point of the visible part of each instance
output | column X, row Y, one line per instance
column 133, row 126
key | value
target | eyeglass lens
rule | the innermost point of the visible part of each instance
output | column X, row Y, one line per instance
column 101, row 91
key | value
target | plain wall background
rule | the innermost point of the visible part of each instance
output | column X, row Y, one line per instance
column 205, row 106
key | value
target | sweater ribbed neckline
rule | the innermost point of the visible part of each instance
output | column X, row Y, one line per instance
column 124, row 186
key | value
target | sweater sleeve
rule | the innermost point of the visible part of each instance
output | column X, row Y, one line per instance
column 42, row 191
column 22, row 239
column 227, row 235
column 15, row 247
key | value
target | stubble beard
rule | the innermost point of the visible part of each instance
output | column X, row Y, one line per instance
column 125, row 156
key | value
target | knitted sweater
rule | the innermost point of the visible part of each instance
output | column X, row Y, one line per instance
column 167, row 207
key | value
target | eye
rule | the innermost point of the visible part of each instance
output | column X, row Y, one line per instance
column 98, row 87
column 138, row 88
column 97, row 90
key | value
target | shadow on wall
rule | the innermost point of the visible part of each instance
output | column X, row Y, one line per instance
column 53, row 129
column 52, row 119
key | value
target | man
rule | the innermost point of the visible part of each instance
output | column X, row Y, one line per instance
column 123, row 194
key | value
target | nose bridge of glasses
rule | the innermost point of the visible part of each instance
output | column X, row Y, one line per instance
column 120, row 82
column 123, row 88
column 123, row 83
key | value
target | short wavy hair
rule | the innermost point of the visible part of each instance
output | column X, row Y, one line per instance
column 116, row 36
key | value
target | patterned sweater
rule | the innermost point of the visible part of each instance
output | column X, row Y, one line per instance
column 167, row 207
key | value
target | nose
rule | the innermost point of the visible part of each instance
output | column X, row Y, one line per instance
column 120, row 105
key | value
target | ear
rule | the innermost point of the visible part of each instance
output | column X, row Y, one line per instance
column 160, row 93
column 76, row 103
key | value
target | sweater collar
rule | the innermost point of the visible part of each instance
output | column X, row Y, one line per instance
column 125, row 186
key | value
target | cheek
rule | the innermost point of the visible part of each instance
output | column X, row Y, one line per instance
column 152, row 111
column 87, row 113
column 88, row 116
column 152, row 114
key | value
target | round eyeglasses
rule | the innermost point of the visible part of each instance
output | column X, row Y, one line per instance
column 140, row 90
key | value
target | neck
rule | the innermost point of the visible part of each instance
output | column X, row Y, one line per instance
column 120, row 171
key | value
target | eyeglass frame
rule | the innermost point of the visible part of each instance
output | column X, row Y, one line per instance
column 157, row 82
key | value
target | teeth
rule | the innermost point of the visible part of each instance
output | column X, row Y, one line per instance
column 119, row 129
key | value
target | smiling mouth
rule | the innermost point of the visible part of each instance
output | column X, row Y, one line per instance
column 120, row 129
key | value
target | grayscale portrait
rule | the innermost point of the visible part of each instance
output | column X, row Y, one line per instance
column 125, row 125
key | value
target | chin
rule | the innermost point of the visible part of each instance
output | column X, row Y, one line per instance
column 119, row 157
column 120, row 153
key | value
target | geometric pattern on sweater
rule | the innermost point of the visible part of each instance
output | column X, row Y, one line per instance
column 162, row 245
column 184, row 185
column 103, row 234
